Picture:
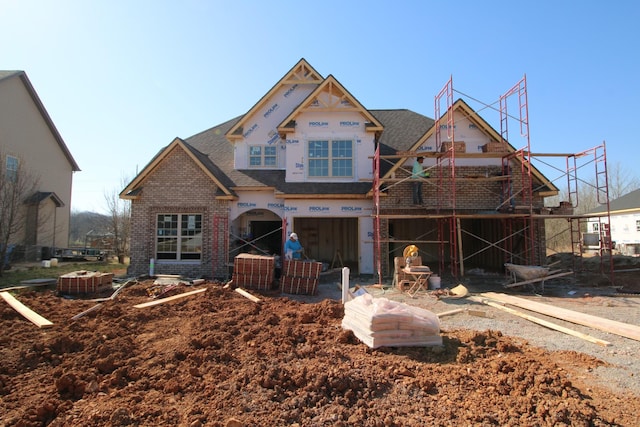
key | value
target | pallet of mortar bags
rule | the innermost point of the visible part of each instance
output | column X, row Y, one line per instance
column 380, row 322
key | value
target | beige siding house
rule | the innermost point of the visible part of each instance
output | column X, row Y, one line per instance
column 30, row 140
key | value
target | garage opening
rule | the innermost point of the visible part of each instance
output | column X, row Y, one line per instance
column 329, row 239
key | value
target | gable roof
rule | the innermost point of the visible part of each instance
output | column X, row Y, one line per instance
column 628, row 203
column 330, row 95
column 469, row 113
column 301, row 73
column 5, row 75
column 133, row 189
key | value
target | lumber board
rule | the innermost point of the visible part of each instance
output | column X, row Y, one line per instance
column 172, row 298
column 84, row 313
column 26, row 312
column 450, row 312
column 543, row 322
column 247, row 295
column 612, row 326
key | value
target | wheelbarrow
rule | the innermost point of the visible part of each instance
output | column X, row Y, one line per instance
column 522, row 275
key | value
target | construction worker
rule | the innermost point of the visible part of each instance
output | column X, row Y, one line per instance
column 417, row 174
column 292, row 248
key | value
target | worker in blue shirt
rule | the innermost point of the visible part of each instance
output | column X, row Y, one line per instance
column 292, row 248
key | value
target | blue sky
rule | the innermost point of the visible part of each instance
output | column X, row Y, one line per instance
column 122, row 79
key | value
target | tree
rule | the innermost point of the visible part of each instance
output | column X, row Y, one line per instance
column 119, row 211
column 16, row 186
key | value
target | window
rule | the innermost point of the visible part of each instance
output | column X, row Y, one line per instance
column 12, row 169
column 179, row 237
column 262, row 156
column 331, row 158
column 637, row 225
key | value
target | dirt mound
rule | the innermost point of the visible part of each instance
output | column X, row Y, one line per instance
column 219, row 359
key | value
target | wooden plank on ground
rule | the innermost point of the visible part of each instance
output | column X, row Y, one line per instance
column 612, row 326
column 247, row 295
column 84, row 313
column 543, row 322
column 163, row 300
column 30, row 315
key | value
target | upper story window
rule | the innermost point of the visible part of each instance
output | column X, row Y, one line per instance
column 179, row 237
column 331, row 158
column 11, row 169
column 262, row 156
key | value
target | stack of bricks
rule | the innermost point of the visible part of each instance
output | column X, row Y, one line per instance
column 459, row 146
column 495, row 147
column 84, row 282
column 253, row 271
column 300, row 277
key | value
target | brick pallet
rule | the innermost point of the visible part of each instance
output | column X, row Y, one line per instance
column 300, row 277
column 84, row 282
column 254, row 271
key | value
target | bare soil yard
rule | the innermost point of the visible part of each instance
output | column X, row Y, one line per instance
column 218, row 359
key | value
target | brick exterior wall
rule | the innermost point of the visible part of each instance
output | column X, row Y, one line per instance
column 177, row 185
column 473, row 193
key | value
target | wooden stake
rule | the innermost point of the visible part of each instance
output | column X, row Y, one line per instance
column 247, row 295
column 84, row 313
column 30, row 315
column 163, row 300
column 447, row 313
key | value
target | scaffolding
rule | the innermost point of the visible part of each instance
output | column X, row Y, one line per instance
column 523, row 224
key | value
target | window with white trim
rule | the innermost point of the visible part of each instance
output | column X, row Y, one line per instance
column 11, row 168
column 179, row 237
column 330, row 159
column 262, row 156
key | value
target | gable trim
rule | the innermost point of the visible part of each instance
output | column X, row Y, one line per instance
column 301, row 73
column 131, row 190
column 333, row 87
column 473, row 116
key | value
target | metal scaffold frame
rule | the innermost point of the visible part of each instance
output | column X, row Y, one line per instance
column 519, row 243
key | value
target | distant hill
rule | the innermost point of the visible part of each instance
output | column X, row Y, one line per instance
column 84, row 222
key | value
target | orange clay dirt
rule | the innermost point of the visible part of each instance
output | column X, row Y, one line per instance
column 218, row 359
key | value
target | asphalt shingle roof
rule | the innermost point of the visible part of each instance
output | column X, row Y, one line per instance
column 402, row 129
column 629, row 201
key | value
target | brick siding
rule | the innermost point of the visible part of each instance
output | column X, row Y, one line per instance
column 177, row 185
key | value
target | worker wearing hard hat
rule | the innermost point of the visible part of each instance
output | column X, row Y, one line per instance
column 292, row 248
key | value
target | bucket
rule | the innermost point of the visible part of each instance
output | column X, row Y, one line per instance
column 434, row 282
column 46, row 264
column 54, row 262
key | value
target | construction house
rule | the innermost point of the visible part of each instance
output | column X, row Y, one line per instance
column 309, row 157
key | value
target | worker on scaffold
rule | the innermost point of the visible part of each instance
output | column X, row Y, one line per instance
column 417, row 174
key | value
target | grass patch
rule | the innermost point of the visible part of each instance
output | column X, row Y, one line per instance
column 18, row 273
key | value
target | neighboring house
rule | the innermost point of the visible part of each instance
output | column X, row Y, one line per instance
column 624, row 215
column 302, row 159
column 30, row 141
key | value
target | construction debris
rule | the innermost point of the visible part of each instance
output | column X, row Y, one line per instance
column 543, row 322
column 163, row 300
column 379, row 322
column 612, row 326
column 30, row 315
